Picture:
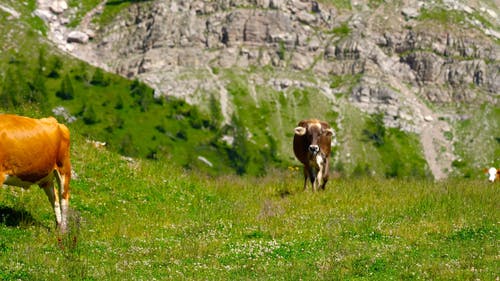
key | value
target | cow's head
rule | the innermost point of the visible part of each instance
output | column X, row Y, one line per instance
column 313, row 133
column 493, row 174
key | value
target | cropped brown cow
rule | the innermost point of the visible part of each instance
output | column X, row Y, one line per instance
column 493, row 174
column 34, row 151
column 312, row 146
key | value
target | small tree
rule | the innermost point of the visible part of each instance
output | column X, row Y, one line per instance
column 89, row 115
column 14, row 88
column 66, row 91
column 127, row 146
column 142, row 95
column 119, row 102
column 238, row 154
column 38, row 93
column 216, row 117
column 55, row 65
column 375, row 130
column 80, row 72
column 98, row 78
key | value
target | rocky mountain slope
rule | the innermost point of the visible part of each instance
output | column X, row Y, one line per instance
column 425, row 65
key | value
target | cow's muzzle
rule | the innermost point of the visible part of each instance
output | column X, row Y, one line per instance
column 314, row 149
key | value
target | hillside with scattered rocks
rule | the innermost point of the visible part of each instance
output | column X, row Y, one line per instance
column 424, row 65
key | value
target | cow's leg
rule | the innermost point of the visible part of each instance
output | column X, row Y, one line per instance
column 325, row 180
column 325, row 174
column 319, row 177
column 53, row 197
column 312, row 177
column 63, row 183
column 307, row 175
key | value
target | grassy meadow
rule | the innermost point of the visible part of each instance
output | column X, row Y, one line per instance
column 148, row 220
column 165, row 215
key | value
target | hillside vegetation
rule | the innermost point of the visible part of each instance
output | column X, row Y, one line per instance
column 151, row 220
column 39, row 81
column 249, row 130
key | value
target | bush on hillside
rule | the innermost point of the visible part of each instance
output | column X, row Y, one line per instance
column 89, row 115
column 142, row 94
column 375, row 129
column 216, row 116
column 13, row 88
column 54, row 67
column 98, row 78
column 66, row 91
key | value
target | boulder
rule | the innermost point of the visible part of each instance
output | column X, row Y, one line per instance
column 45, row 15
column 410, row 13
column 58, row 7
column 77, row 37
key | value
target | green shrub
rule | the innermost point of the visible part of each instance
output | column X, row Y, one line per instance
column 89, row 115
column 281, row 50
column 55, row 65
column 238, row 152
column 66, row 91
column 98, row 78
column 13, row 88
column 442, row 16
column 343, row 30
column 142, row 94
column 216, row 116
column 375, row 130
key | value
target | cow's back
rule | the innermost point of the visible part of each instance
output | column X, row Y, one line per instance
column 28, row 145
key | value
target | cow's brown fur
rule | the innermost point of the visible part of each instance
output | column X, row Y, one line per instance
column 312, row 132
column 34, row 151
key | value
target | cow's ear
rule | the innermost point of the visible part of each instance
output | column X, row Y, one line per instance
column 300, row 131
column 329, row 132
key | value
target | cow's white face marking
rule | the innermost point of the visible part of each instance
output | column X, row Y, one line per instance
column 318, row 125
column 492, row 174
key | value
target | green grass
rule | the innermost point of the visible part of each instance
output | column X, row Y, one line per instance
column 136, row 125
column 342, row 31
column 442, row 16
column 368, row 148
column 342, row 4
column 471, row 138
column 151, row 220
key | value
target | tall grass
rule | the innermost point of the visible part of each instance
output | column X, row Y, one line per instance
column 151, row 221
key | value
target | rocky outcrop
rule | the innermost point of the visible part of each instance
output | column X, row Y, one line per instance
column 284, row 34
column 13, row 13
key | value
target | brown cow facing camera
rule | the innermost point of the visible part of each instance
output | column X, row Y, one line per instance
column 312, row 146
